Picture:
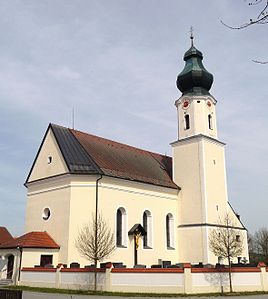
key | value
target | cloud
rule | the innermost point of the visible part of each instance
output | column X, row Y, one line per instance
column 64, row 72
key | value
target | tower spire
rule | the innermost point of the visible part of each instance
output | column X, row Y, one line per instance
column 192, row 36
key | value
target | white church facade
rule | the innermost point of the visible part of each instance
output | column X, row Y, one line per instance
column 176, row 200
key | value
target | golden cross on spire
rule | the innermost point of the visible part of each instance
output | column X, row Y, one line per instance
column 192, row 36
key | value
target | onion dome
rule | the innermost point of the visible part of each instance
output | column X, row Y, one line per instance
column 194, row 79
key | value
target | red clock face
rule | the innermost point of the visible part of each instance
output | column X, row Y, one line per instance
column 185, row 104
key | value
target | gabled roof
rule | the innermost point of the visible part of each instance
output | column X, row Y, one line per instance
column 32, row 240
column 5, row 235
column 88, row 154
column 75, row 156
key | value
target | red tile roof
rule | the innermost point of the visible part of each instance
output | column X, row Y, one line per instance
column 32, row 240
column 88, row 154
column 5, row 235
column 127, row 162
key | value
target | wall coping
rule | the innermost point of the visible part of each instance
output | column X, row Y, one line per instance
column 28, row 269
column 218, row 270
column 179, row 270
column 147, row 270
column 187, row 265
column 100, row 270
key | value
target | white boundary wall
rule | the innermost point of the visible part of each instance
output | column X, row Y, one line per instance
column 46, row 279
column 63, row 278
column 211, row 281
column 181, row 281
column 81, row 280
column 146, row 281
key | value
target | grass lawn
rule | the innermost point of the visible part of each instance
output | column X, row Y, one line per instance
column 100, row 293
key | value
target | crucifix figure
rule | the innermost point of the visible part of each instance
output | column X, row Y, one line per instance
column 137, row 238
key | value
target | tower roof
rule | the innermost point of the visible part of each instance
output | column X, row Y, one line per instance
column 194, row 78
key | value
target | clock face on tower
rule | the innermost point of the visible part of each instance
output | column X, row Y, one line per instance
column 185, row 104
column 209, row 104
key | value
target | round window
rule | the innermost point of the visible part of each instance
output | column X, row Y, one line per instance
column 46, row 214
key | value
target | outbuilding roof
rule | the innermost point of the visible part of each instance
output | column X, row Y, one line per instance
column 32, row 240
column 89, row 154
column 5, row 235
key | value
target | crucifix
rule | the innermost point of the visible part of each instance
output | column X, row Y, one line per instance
column 137, row 231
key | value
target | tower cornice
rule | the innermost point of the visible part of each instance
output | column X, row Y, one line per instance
column 199, row 137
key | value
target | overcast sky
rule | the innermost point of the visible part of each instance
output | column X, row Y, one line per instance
column 116, row 63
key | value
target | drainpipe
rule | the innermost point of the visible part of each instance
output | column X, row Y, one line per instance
column 20, row 249
column 96, row 212
column 96, row 232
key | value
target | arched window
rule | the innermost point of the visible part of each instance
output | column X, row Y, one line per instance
column 170, row 230
column 210, row 124
column 121, row 227
column 10, row 266
column 187, row 121
column 147, row 225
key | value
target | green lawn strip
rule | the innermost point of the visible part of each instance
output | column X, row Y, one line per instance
column 123, row 294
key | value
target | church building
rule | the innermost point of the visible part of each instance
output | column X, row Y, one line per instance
column 173, row 203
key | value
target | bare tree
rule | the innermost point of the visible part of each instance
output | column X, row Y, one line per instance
column 253, row 256
column 261, row 19
column 260, row 241
column 95, row 241
column 226, row 242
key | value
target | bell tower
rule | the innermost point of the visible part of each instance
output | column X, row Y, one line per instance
column 198, row 162
column 196, row 106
